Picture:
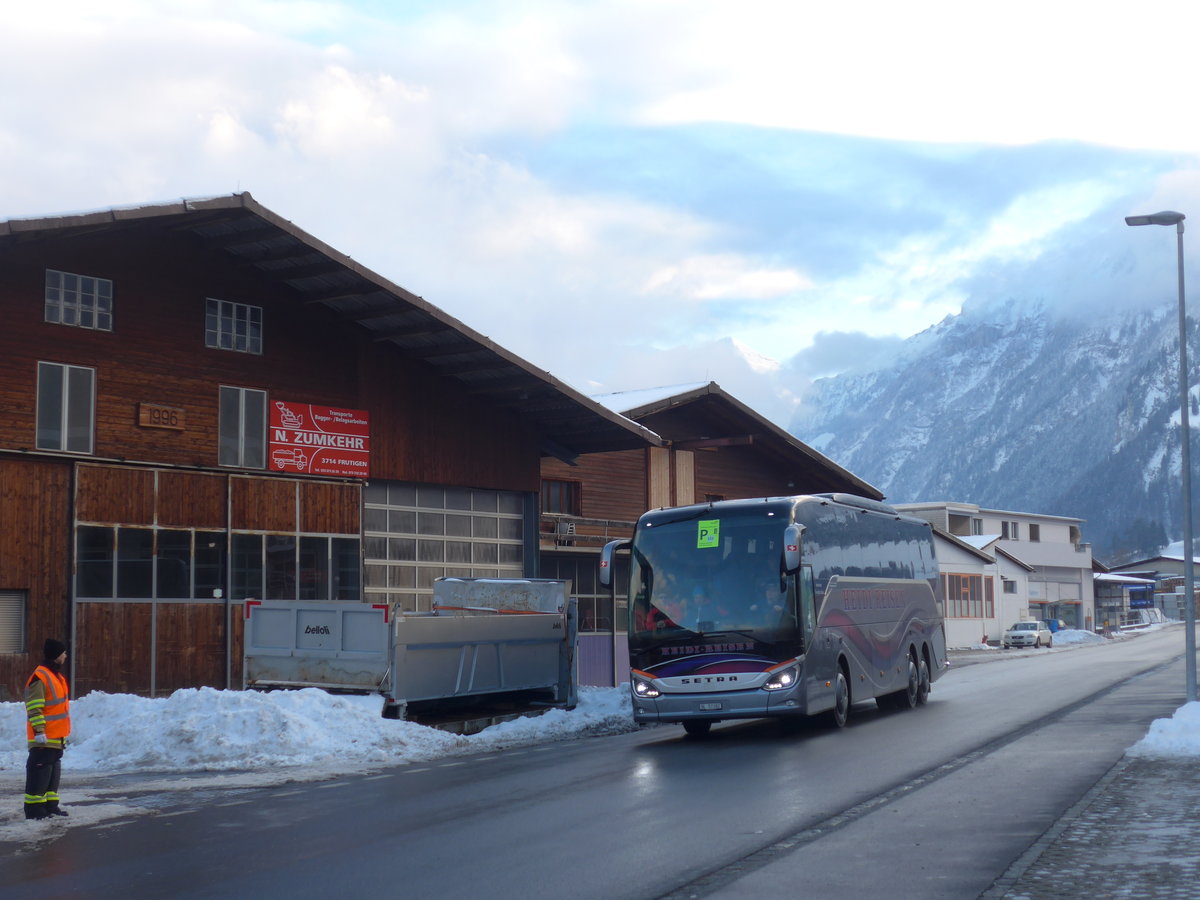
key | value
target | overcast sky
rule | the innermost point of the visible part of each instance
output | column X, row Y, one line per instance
column 640, row 192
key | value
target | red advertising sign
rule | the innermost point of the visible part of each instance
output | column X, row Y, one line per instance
column 319, row 440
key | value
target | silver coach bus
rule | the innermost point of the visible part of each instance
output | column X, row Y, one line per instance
column 777, row 607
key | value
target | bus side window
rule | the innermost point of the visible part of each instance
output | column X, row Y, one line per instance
column 807, row 614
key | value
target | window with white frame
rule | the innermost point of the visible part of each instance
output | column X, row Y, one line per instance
column 80, row 300
column 1010, row 586
column 66, row 407
column 12, row 621
column 243, row 428
column 233, row 326
column 1035, row 531
column 1010, row 531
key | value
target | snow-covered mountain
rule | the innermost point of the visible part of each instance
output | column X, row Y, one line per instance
column 1013, row 407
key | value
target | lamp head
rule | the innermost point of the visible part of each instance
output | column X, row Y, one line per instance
column 1166, row 217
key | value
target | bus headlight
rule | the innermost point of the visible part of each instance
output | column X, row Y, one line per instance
column 644, row 690
column 783, row 679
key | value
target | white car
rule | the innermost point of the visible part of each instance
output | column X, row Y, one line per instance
column 1028, row 634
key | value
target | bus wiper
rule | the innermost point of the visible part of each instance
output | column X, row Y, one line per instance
column 745, row 634
column 688, row 518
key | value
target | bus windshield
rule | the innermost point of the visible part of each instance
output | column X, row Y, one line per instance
column 699, row 576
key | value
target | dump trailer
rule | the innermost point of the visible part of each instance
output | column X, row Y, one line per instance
column 484, row 637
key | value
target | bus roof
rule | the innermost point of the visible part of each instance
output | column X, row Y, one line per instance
column 777, row 504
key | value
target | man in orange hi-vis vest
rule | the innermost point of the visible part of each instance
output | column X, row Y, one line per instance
column 48, row 722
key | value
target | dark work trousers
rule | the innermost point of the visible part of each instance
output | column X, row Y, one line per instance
column 42, row 771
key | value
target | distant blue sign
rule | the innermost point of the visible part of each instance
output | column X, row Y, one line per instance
column 1141, row 597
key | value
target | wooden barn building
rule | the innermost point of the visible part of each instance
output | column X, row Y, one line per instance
column 203, row 404
column 714, row 448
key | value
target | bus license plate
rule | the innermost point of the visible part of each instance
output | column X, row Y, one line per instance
column 704, row 707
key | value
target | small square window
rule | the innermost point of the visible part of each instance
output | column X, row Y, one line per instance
column 79, row 300
column 233, row 326
column 561, row 497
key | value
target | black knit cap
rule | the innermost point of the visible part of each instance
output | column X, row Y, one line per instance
column 53, row 649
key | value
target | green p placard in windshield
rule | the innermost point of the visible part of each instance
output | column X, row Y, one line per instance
column 708, row 533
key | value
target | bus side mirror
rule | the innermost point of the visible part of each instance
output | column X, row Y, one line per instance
column 607, row 560
column 791, row 547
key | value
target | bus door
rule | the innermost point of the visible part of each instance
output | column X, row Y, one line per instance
column 816, row 659
column 808, row 613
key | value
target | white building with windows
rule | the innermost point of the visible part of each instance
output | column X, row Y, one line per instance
column 1043, row 567
column 969, row 584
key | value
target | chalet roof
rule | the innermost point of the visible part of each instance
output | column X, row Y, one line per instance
column 1151, row 562
column 980, row 541
column 719, row 419
column 253, row 236
column 1121, row 579
column 985, row 544
column 958, row 507
column 963, row 544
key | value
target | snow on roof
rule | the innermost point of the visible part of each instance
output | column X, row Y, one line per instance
column 1122, row 579
column 623, row 401
column 978, row 541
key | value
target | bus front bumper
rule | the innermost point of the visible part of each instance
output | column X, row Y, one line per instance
column 751, row 704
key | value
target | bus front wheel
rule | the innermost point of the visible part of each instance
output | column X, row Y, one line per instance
column 697, row 727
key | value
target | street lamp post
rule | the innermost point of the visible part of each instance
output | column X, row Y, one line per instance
column 1168, row 217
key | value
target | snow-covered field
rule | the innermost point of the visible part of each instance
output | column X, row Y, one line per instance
column 240, row 739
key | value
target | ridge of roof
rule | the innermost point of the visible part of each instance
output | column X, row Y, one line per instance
column 655, row 400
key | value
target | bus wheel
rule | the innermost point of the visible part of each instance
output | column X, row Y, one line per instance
column 697, row 727
column 840, row 713
column 923, row 682
column 909, row 696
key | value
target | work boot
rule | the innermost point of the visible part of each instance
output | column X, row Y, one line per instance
column 35, row 812
column 55, row 811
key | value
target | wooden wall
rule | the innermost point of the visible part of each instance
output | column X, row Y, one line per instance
column 612, row 485
column 156, row 647
column 438, row 433
column 35, row 504
column 153, row 647
column 112, row 647
column 740, row 472
column 194, row 499
column 155, row 352
column 425, row 428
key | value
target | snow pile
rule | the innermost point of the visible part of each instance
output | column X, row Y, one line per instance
column 1065, row 637
column 209, row 730
column 1178, row 736
column 1077, row 636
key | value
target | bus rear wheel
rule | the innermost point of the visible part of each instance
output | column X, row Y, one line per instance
column 697, row 727
column 923, row 682
column 910, row 695
column 840, row 714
